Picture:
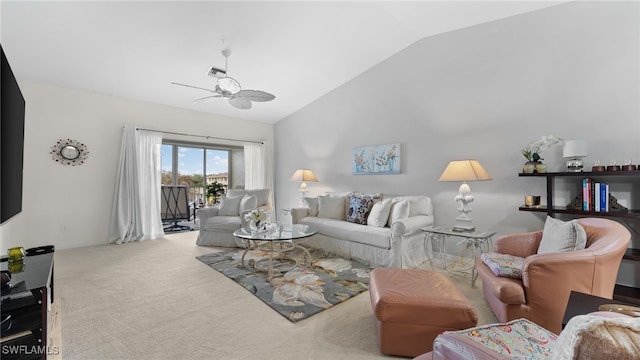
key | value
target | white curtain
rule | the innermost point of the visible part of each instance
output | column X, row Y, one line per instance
column 258, row 167
column 136, row 203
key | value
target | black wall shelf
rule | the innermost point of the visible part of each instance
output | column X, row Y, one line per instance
column 621, row 292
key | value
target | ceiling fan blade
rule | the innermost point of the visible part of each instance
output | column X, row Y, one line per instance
column 206, row 98
column 255, row 95
column 240, row 102
column 194, row 87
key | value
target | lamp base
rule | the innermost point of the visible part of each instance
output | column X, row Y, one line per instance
column 574, row 165
column 464, row 221
column 303, row 203
column 464, row 224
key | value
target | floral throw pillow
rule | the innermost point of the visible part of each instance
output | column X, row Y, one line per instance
column 359, row 209
column 504, row 265
column 516, row 339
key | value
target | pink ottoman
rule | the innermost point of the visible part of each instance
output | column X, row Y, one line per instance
column 413, row 306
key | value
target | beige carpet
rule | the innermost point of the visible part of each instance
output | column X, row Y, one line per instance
column 154, row 300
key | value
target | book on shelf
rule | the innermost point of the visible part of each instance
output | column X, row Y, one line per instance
column 595, row 196
column 596, row 199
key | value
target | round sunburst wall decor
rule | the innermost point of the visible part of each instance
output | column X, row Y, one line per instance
column 69, row 152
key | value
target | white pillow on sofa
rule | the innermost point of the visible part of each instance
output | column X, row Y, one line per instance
column 262, row 195
column 248, row 202
column 331, row 207
column 312, row 204
column 559, row 236
column 418, row 204
column 379, row 213
column 230, row 206
column 399, row 211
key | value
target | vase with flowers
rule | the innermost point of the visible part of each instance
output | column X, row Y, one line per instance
column 257, row 220
column 533, row 151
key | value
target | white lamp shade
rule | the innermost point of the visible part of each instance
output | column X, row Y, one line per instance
column 464, row 170
column 304, row 175
column 574, row 148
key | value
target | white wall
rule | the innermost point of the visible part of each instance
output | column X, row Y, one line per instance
column 71, row 206
column 482, row 92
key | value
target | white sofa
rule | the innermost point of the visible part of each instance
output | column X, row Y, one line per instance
column 389, row 239
column 217, row 223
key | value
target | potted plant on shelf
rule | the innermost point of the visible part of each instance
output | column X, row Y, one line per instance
column 532, row 153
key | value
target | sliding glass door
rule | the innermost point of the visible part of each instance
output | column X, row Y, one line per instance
column 195, row 166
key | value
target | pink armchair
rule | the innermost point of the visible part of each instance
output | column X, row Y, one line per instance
column 547, row 279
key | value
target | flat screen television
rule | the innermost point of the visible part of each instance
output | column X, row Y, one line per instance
column 11, row 142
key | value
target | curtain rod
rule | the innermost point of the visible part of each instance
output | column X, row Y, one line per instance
column 202, row 136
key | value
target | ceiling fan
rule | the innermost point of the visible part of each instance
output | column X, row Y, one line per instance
column 229, row 88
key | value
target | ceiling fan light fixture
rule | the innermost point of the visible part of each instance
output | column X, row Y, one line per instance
column 228, row 85
column 216, row 73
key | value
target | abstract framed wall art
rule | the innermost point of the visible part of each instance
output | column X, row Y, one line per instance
column 377, row 159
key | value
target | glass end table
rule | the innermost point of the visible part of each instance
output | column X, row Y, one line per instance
column 476, row 241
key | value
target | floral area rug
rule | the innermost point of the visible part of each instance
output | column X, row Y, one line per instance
column 296, row 292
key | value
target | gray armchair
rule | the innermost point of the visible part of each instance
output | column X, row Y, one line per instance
column 217, row 223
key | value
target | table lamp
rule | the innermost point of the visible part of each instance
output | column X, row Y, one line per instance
column 464, row 170
column 574, row 150
column 303, row 175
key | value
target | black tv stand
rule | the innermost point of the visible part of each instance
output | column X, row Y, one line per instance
column 25, row 309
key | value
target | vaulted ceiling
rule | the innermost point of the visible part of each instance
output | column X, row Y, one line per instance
column 296, row 50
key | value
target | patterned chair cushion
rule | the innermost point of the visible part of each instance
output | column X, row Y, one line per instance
column 504, row 265
column 516, row 339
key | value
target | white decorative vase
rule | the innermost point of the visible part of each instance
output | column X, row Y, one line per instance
column 255, row 225
column 529, row 168
column 541, row 168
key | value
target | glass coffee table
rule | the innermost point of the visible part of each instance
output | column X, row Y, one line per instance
column 277, row 242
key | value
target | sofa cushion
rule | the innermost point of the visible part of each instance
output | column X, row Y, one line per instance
column 559, row 236
column 230, row 206
column 418, row 204
column 340, row 229
column 331, row 207
column 248, row 202
column 507, row 290
column 222, row 223
column 312, row 204
column 504, row 265
column 379, row 214
column 359, row 209
column 371, row 235
column 343, row 195
column 262, row 195
column 399, row 210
